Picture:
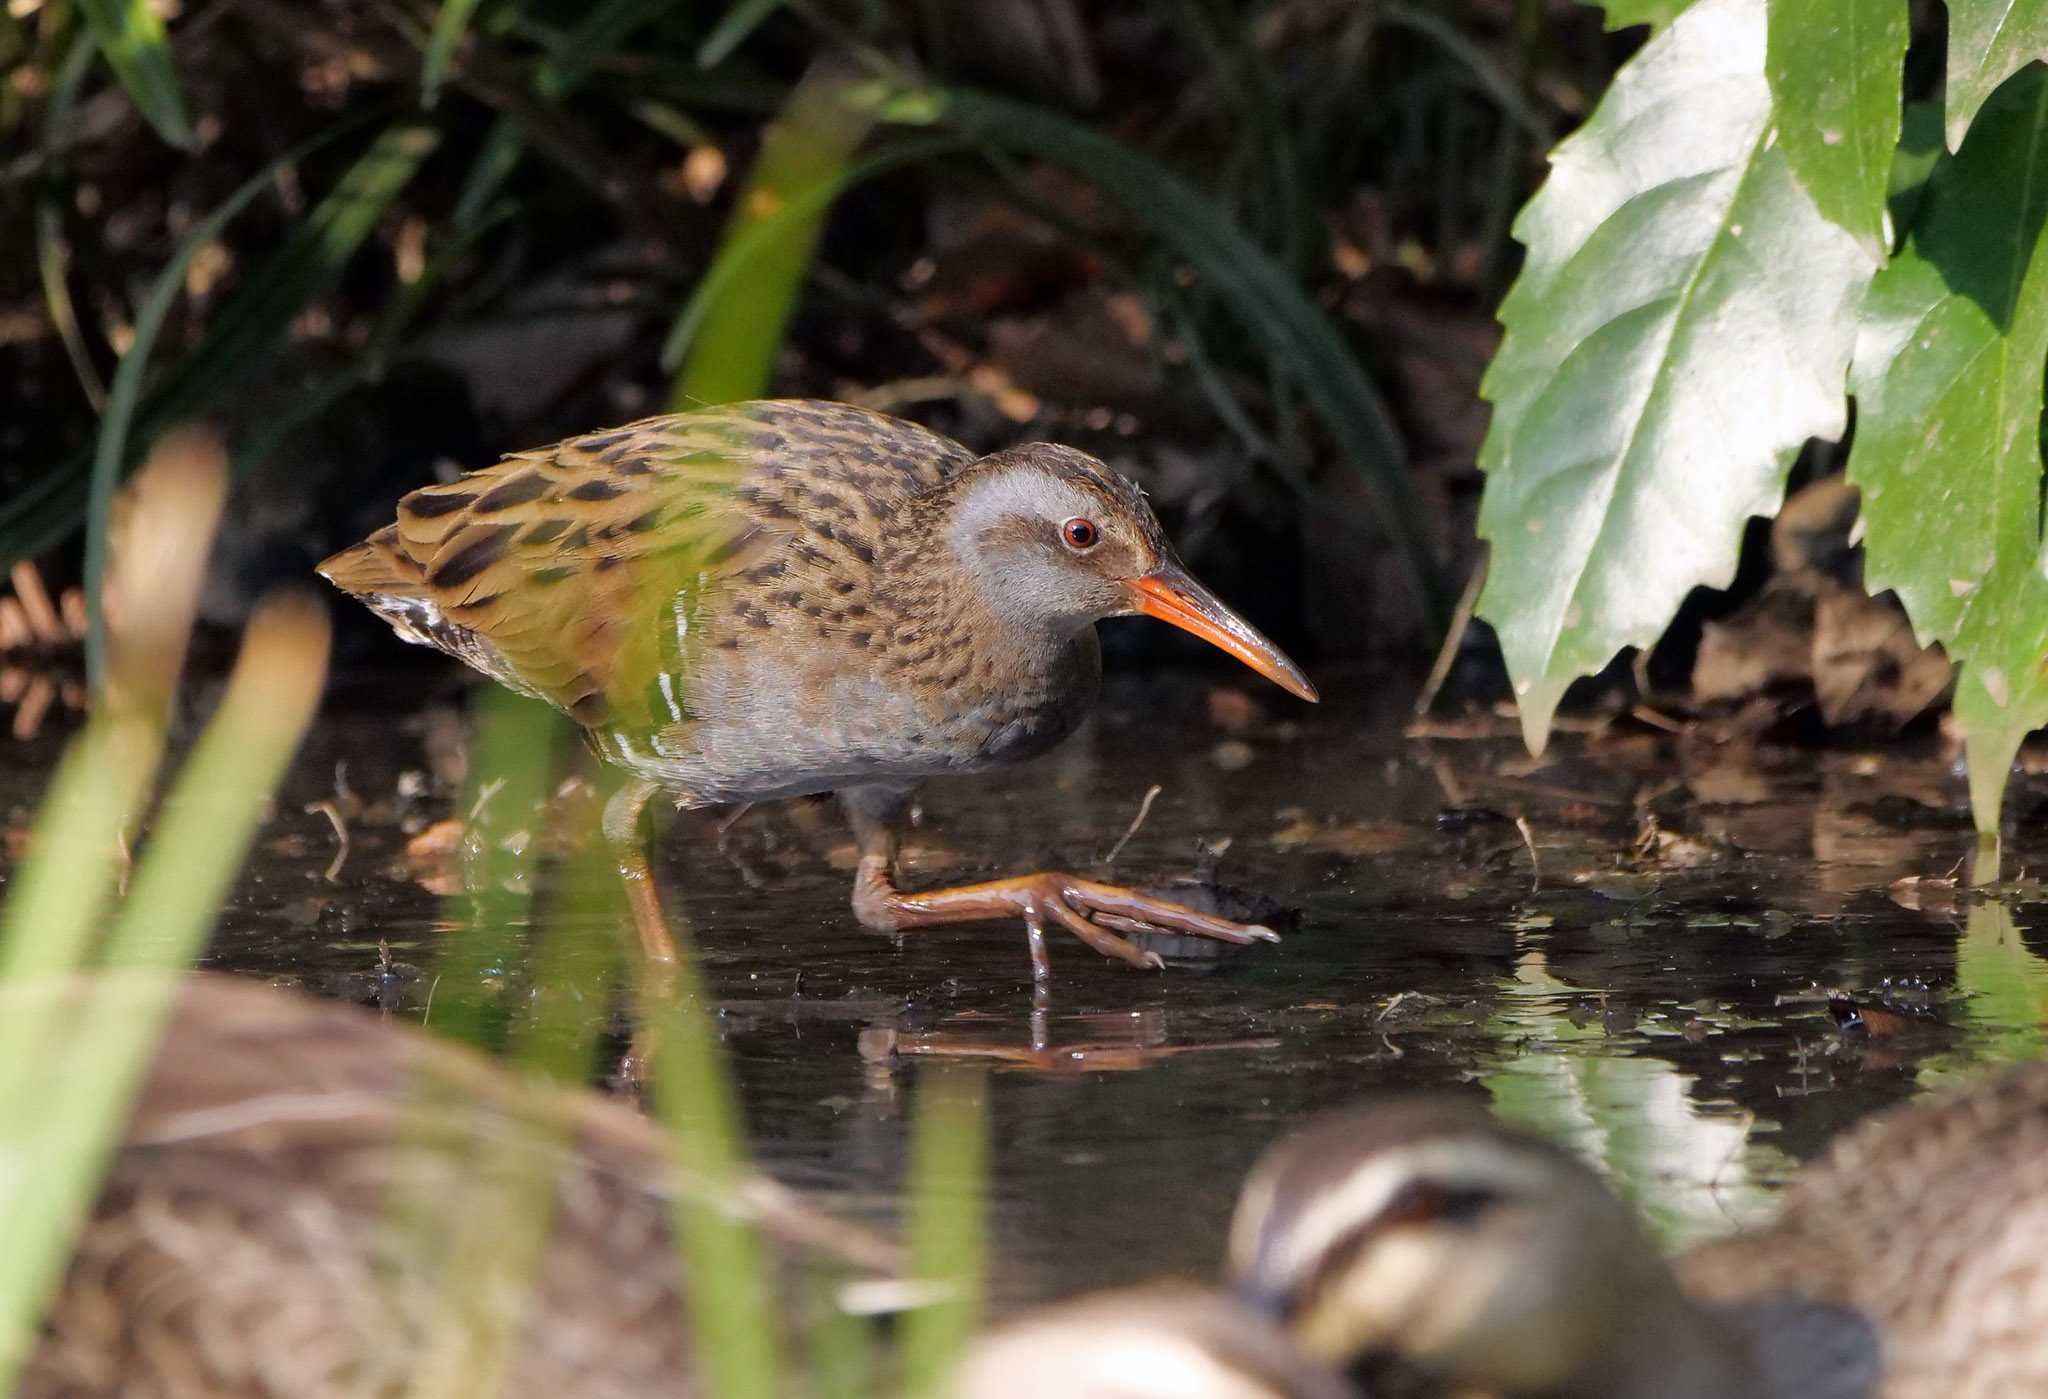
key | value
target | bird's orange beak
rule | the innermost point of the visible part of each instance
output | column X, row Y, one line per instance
column 1172, row 596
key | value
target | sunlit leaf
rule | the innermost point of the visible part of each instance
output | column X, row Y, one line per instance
column 51, row 254
column 132, row 37
column 1834, row 74
column 1623, row 13
column 1988, row 41
column 1680, row 328
column 1948, row 381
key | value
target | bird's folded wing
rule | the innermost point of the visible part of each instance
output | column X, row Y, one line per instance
column 575, row 572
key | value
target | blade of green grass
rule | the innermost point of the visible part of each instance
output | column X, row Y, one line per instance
column 56, row 897
column 63, row 1139
column 842, row 1345
column 729, row 33
column 51, row 260
column 55, row 905
column 111, row 447
column 132, row 37
column 803, row 163
column 311, row 258
column 511, row 765
column 733, row 1309
column 491, row 1242
column 211, row 813
column 451, row 22
column 599, row 32
column 751, row 243
column 1287, row 326
column 947, row 1226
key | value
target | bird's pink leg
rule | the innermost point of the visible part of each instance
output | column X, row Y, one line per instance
column 1092, row 911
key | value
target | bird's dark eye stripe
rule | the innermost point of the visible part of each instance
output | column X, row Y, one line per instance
column 1460, row 1206
column 1419, row 1202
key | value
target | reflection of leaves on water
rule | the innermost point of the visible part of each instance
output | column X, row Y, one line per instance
column 1301, row 831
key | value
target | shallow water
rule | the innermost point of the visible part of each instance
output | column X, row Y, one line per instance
column 1626, row 993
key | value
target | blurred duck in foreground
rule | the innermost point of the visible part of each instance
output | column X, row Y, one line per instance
column 1417, row 1247
column 311, row 1202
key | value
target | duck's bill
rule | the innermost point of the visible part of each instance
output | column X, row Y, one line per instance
column 1172, row 596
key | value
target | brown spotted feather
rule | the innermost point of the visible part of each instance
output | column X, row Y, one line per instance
column 563, row 571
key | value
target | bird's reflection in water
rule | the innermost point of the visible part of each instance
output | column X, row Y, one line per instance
column 1084, row 1042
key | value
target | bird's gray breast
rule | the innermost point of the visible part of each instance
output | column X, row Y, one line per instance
column 768, row 722
column 1038, row 713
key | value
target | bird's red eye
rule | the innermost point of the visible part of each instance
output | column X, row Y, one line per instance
column 1080, row 533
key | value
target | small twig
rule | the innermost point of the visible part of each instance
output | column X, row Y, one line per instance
column 1144, row 810
column 327, row 808
column 34, row 705
column 1447, row 780
column 1455, row 637
column 1644, row 714
column 483, row 798
column 35, row 604
column 1388, row 1009
column 1535, row 867
column 1639, row 671
column 1714, row 1181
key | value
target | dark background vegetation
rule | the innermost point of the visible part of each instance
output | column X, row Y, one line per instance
column 583, row 160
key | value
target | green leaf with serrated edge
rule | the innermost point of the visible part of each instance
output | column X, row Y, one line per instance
column 1947, row 377
column 1681, row 326
column 1623, row 13
column 1834, row 75
column 1920, row 148
column 1988, row 41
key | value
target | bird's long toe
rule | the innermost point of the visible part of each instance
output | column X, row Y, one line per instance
column 1127, row 910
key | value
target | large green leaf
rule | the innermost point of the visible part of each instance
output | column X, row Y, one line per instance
column 1681, row 326
column 1834, row 74
column 1947, row 378
column 1988, row 41
column 132, row 37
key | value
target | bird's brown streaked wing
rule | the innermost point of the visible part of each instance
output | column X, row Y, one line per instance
column 572, row 572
